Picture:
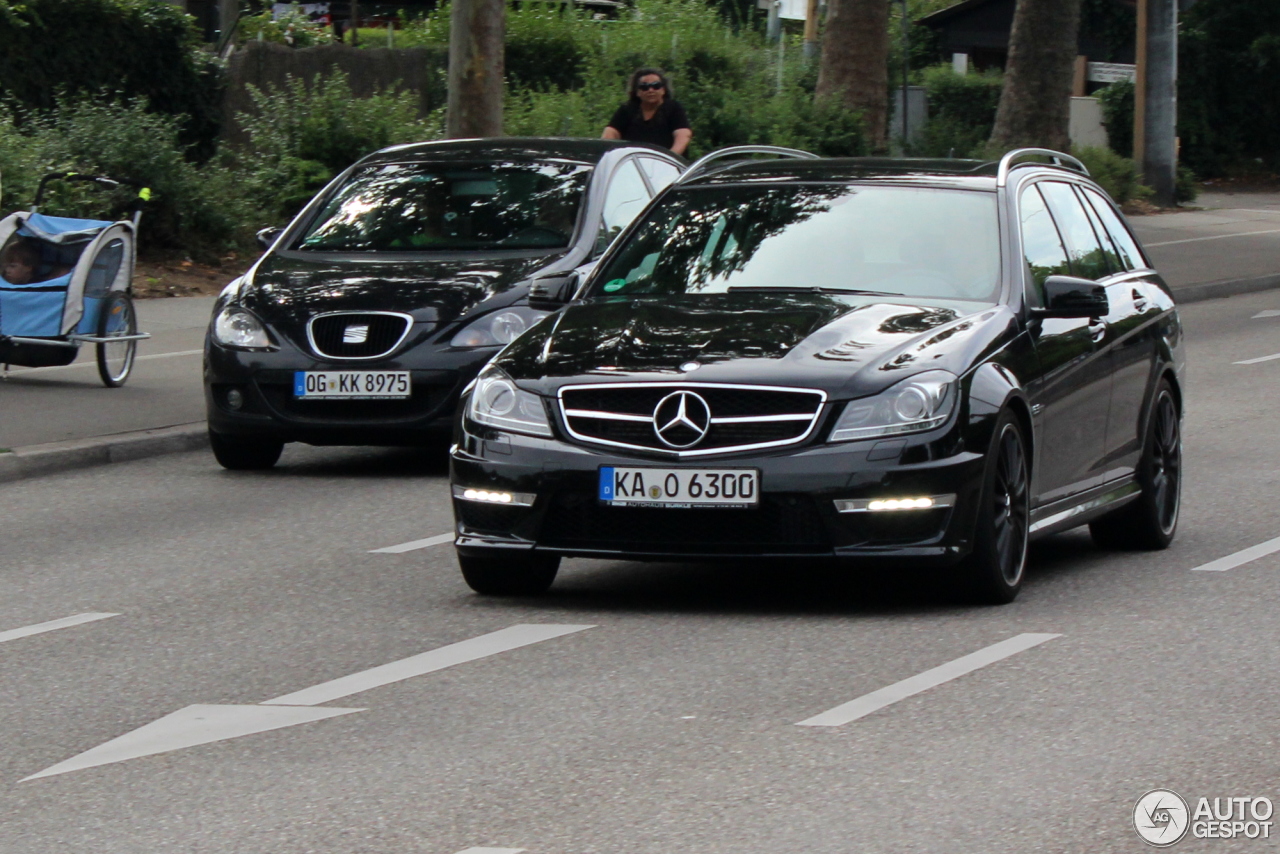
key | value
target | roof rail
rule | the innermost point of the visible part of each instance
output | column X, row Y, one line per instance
column 701, row 163
column 1059, row 159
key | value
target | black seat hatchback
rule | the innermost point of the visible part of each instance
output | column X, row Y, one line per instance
column 387, row 293
column 907, row 363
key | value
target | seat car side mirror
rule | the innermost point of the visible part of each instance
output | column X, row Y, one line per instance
column 268, row 235
column 1068, row 296
column 549, row 293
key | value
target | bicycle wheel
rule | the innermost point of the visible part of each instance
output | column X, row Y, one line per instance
column 115, row 359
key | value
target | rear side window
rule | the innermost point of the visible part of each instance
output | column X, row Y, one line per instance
column 1088, row 261
column 626, row 197
column 1130, row 254
column 1041, row 244
column 659, row 172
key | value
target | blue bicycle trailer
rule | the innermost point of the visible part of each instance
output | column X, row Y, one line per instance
column 66, row 282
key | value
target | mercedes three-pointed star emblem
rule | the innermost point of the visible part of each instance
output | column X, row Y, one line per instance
column 681, row 419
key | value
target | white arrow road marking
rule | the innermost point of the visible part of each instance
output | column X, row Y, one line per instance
column 493, row 851
column 414, row 544
column 1259, row 359
column 53, row 625
column 202, row 724
column 1241, row 557
column 877, row 700
column 1271, row 312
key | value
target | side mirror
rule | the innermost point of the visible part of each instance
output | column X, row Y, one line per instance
column 267, row 236
column 548, row 293
column 1067, row 296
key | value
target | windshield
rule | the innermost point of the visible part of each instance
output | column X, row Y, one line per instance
column 422, row 207
column 907, row 241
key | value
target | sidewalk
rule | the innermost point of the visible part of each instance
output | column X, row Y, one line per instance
column 57, row 418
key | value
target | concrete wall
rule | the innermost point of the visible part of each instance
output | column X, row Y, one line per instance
column 264, row 64
column 1086, row 129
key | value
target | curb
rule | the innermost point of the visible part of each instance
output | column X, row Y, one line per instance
column 36, row 460
column 1224, row 288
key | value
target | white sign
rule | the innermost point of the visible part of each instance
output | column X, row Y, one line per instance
column 1110, row 72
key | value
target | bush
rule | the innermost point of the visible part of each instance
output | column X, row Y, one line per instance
column 138, row 48
column 1115, row 174
column 293, row 28
column 1116, row 101
column 962, row 112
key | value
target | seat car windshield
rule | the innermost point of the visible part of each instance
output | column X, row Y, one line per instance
column 419, row 207
column 908, row 241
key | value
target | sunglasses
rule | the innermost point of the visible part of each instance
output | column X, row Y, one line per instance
column 645, row 87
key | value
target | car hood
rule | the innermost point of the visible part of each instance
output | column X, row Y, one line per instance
column 848, row 346
column 287, row 288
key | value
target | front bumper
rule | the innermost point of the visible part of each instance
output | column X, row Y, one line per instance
column 797, row 516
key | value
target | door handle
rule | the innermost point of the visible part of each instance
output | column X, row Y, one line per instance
column 1140, row 302
column 1097, row 330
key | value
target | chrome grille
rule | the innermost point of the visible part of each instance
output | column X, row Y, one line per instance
column 357, row 334
column 739, row 418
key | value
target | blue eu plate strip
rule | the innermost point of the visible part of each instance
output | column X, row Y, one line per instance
column 299, row 383
column 606, row 483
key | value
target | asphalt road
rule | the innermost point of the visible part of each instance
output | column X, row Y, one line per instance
column 662, row 716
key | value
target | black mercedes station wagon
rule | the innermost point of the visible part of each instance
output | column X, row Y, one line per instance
column 387, row 293
column 927, row 363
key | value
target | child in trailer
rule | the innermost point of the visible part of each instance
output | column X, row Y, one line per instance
column 21, row 260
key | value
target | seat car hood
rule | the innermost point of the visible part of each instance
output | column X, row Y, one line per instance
column 289, row 287
column 846, row 345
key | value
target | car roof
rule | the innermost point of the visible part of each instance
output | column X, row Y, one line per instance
column 952, row 173
column 507, row 147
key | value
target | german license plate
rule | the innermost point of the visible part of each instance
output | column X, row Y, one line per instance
column 658, row 487
column 351, row 385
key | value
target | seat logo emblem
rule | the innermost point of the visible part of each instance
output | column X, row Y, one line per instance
column 681, row 419
column 357, row 333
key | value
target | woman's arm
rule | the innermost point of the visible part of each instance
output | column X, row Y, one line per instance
column 611, row 132
column 682, row 137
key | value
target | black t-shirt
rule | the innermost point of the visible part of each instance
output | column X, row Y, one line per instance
column 659, row 130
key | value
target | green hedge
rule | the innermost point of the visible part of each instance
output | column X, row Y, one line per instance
column 962, row 112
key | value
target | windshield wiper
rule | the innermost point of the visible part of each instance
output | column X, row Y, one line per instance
column 807, row 289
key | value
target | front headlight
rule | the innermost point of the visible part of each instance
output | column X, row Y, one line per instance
column 497, row 329
column 921, row 403
column 496, row 401
column 236, row 327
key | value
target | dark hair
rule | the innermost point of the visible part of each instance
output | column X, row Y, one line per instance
column 634, row 80
column 22, row 251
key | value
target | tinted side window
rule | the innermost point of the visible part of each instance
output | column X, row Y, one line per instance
column 1041, row 245
column 1130, row 254
column 1087, row 258
column 660, row 172
column 626, row 197
column 1108, row 247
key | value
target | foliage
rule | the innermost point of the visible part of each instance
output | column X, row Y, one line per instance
column 1116, row 101
column 294, row 28
column 139, row 48
column 962, row 111
column 302, row 135
column 1116, row 174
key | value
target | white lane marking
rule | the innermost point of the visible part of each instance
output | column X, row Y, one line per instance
column 1271, row 312
column 891, row 694
column 91, row 364
column 413, row 544
column 203, row 724
column 493, row 851
column 1272, row 357
column 484, row 646
column 53, row 625
column 1241, row 557
column 1212, row 237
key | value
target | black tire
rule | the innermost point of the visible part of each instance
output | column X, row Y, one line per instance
column 993, row 572
column 516, row 575
column 115, row 361
column 239, row 453
column 1150, row 522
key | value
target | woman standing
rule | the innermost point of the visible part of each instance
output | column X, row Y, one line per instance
column 650, row 114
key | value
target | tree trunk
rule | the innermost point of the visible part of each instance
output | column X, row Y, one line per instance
column 477, row 33
column 1035, row 103
column 855, row 62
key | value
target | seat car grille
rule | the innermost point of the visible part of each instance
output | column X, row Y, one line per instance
column 690, row 419
column 782, row 524
column 357, row 334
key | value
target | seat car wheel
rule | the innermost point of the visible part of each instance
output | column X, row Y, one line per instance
column 118, row 320
column 517, row 575
column 992, row 573
column 243, row 454
column 1151, row 521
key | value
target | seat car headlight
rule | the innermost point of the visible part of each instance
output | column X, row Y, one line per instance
column 920, row 403
column 496, row 401
column 497, row 329
column 236, row 327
